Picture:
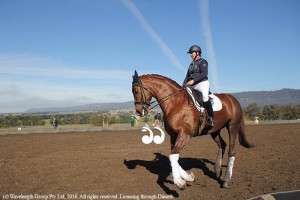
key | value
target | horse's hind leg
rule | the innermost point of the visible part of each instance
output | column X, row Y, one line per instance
column 222, row 145
column 233, row 129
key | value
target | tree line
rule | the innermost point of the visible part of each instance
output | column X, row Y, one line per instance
column 273, row 112
column 21, row 120
column 96, row 119
column 269, row 112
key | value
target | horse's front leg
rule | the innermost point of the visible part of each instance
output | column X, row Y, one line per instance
column 180, row 176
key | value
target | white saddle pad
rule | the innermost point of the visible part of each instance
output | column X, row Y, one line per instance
column 216, row 102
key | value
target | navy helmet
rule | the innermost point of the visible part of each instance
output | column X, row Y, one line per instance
column 194, row 48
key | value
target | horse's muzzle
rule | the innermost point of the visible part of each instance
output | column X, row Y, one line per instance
column 141, row 113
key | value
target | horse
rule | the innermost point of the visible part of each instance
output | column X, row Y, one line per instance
column 181, row 121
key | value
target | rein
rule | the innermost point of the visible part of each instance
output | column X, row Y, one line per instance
column 165, row 98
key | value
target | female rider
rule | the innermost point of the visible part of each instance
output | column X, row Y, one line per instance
column 197, row 77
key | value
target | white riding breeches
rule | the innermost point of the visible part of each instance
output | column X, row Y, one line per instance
column 203, row 87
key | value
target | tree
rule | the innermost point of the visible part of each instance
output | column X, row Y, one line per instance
column 113, row 120
column 290, row 112
column 124, row 118
column 96, row 120
column 252, row 111
column 271, row 112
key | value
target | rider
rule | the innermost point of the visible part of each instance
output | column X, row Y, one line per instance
column 197, row 77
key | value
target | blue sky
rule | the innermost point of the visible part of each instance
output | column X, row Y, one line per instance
column 72, row 52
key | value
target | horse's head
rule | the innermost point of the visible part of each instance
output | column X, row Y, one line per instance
column 142, row 96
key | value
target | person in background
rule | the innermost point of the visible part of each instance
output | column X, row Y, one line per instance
column 157, row 119
column 54, row 122
column 132, row 120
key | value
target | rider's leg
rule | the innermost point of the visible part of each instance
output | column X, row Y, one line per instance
column 203, row 87
column 207, row 105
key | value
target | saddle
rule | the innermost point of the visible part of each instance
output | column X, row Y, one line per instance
column 197, row 99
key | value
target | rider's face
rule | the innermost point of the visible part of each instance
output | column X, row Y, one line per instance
column 194, row 55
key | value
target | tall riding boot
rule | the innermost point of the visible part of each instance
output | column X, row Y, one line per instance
column 207, row 105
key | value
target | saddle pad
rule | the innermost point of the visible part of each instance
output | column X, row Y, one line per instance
column 216, row 102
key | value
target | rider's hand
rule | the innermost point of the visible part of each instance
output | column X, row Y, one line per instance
column 191, row 82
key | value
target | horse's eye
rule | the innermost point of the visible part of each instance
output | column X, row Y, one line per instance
column 134, row 92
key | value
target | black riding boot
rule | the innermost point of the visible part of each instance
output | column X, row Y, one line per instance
column 207, row 105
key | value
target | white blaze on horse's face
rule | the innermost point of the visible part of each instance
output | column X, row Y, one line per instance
column 143, row 113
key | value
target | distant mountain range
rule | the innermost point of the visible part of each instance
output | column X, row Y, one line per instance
column 262, row 98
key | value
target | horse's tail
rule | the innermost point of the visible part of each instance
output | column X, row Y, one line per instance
column 242, row 136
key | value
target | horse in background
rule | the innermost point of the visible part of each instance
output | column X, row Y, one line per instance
column 181, row 121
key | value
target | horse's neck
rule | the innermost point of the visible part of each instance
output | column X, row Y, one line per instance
column 165, row 94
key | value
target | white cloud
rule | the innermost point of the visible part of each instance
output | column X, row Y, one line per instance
column 151, row 32
column 204, row 11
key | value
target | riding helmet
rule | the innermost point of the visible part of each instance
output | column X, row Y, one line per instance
column 195, row 48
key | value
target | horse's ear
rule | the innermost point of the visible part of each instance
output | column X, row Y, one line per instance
column 135, row 77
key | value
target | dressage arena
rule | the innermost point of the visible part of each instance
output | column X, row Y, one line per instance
column 117, row 165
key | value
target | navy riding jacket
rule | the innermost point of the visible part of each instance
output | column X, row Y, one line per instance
column 198, row 71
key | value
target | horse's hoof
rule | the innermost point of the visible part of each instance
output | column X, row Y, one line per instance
column 225, row 185
column 191, row 177
column 218, row 172
column 181, row 184
column 182, row 187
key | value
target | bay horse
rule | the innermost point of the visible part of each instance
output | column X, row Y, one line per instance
column 181, row 122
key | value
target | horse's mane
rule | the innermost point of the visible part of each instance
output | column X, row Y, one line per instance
column 160, row 76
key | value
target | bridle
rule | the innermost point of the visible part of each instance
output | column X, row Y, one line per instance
column 144, row 103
